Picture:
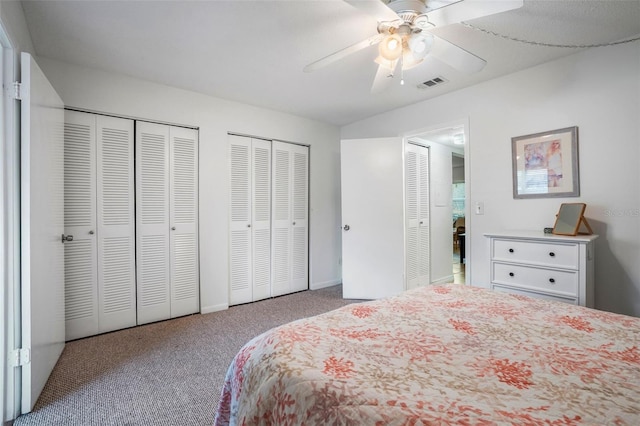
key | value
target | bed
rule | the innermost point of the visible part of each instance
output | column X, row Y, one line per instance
column 448, row 354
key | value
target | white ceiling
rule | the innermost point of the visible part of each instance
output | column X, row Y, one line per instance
column 254, row 51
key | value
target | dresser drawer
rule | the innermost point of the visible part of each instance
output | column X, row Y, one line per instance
column 563, row 283
column 534, row 294
column 538, row 253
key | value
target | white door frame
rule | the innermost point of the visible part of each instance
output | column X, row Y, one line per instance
column 9, row 233
column 464, row 122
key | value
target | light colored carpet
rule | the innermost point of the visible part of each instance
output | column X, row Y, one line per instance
column 166, row 373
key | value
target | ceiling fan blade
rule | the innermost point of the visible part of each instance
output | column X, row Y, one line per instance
column 375, row 8
column 456, row 56
column 470, row 9
column 383, row 78
column 343, row 53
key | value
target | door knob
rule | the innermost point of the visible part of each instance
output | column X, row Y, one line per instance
column 173, row 228
column 294, row 223
column 346, row 227
column 66, row 238
column 248, row 225
column 91, row 232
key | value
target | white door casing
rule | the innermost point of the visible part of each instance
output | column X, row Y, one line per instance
column 372, row 217
column 42, row 227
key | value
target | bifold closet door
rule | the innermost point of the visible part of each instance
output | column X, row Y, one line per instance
column 99, row 262
column 152, row 222
column 80, row 255
column 166, row 221
column 417, row 198
column 250, row 219
column 289, row 242
column 183, row 217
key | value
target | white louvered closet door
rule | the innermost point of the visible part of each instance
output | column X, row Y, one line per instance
column 240, row 252
column 185, row 287
column 417, row 254
column 152, row 222
column 424, row 259
column 80, row 255
column 300, row 216
column 289, row 243
column 250, row 219
column 261, row 218
column 116, row 227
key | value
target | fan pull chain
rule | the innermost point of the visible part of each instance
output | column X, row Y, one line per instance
column 402, row 69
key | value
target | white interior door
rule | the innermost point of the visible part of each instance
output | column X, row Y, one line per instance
column 116, row 226
column 240, row 252
column 281, row 220
column 261, row 218
column 80, row 255
column 42, row 227
column 372, row 218
column 185, row 278
column 290, row 229
column 417, row 215
column 300, row 218
column 424, row 224
column 152, row 222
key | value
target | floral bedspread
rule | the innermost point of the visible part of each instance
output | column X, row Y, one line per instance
column 448, row 354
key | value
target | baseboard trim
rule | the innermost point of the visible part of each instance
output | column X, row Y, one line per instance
column 214, row 308
column 324, row 284
column 443, row 280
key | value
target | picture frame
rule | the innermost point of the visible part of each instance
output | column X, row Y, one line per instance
column 545, row 164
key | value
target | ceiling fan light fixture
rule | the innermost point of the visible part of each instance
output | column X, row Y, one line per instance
column 387, row 64
column 420, row 45
column 409, row 60
column 390, row 47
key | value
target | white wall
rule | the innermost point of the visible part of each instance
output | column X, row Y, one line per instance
column 597, row 90
column 110, row 93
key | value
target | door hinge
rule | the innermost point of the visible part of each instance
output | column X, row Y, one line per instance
column 16, row 92
column 21, row 357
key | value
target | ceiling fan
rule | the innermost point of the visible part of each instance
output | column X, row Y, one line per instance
column 404, row 36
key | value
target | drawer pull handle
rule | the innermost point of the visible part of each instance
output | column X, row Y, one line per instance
column 511, row 274
column 552, row 254
column 551, row 280
column 510, row 250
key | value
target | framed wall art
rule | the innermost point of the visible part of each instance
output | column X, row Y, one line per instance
column 546, row 164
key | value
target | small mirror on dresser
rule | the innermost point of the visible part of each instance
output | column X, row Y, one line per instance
column 569, row 219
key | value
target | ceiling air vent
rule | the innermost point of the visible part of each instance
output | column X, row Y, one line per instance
column 433, row 82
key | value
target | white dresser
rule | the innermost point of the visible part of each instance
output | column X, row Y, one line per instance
column 543, row 265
